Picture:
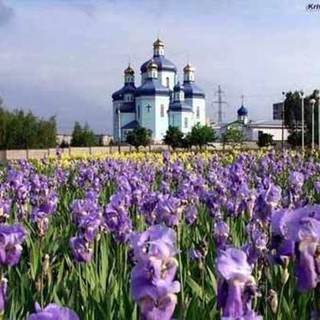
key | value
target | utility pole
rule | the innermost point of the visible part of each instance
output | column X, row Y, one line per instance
column 220, row 102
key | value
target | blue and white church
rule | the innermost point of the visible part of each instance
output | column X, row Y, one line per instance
column 160, row 101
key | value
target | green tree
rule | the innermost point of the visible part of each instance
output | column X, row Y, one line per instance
column 83, row 137
column 233, row 136
column 265, row 140
column 19, row 130
column 293, row 117
column 139, row 136
column 201, row 135
column 173, row 137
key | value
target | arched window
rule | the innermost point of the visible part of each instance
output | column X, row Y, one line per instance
column 162, row 111
column 198, row 112
column 167, row 82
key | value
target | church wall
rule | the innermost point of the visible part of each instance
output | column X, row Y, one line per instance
column 147, row 118
column 201, row 103
column 190, row 122
column 163, row 75
column 161, row 123
column 177, row 119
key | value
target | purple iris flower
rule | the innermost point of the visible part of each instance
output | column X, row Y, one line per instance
column 5, row 208
column 221, row 233
column 117, row 218
column 237, row 287
column 296, row 179
column 168, row 210
column 81, row 249
column 297, row 233
column 53, row 312
column 148, row 205
column 152, row 279
column 11, row 238
column 158, row 241
column 191, row 214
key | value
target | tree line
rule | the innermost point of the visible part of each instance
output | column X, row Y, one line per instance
column 293, row 116
column 23, row 130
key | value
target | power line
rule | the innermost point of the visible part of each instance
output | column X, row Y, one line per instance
column 220, row 102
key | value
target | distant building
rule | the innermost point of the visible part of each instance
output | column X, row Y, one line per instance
column 103, row 139
column 63, row 139
column 277, row 111
column 253, row 129
column 160, row 100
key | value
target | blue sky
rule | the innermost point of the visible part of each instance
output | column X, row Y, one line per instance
column 65, row 58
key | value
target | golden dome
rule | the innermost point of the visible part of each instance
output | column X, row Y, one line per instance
column 152, row 65
column 129, row 70
column 158, row 43
column 188, row 68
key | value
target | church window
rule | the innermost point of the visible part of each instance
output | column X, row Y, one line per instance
column 148, row 107
column 186, row 122
column 167, row 82
column 198, row 112
column 138, row 110
column 162, row 111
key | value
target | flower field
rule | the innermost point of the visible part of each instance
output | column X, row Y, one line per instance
column 161, row 236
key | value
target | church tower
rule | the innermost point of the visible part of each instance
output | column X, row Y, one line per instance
column 194, row 96
column 152, row 101
column 167, row 71
column 124, row 112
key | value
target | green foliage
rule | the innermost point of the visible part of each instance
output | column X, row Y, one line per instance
column 293, row 117
column 83, row 136
column 139, row 136
column 233, row 135
column 201, row 136
column 20, row 130
column 265, row 140
column 173, row 137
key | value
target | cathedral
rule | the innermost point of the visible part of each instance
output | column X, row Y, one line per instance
column 160, row 101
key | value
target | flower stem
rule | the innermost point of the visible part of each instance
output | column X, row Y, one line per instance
column 180, row 271
column 278, row 317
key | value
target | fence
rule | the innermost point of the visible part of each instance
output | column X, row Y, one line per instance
column 6, row 155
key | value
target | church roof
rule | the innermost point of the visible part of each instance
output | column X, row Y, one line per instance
column 162, row 63
column 192, row 91
column 131, row 125
column 127, row 88
column 242, row 111
column 152, row 87
column 127, row 107
column 179, row 106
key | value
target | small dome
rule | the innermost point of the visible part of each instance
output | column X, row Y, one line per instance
column 188, row 68
column 129, row 70
column 242, row 111
column 152, row 65
column 158, row 43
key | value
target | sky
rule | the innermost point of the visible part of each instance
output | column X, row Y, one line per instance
column 65, row 58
